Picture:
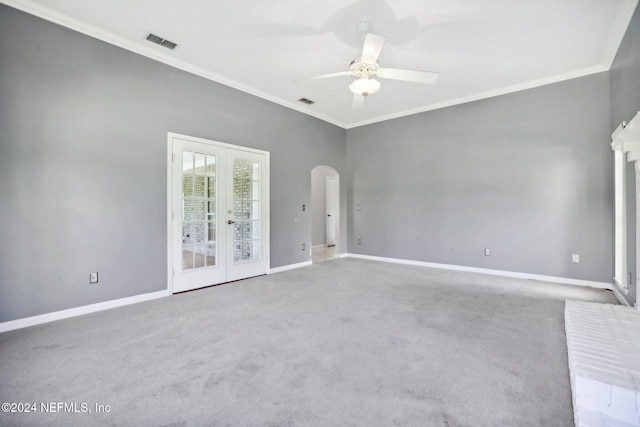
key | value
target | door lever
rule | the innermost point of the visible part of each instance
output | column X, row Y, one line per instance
column 231, row 222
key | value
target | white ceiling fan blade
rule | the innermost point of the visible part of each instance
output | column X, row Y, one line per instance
column 428, row 77
column 372, row 47
column 358, row 101
column 323, row 76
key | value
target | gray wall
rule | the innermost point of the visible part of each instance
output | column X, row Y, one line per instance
column 625, row 101
column 528, row 175
column 83, row 164
column 83, row 170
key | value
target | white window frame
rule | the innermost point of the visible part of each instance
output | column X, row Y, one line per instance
column 620, row 178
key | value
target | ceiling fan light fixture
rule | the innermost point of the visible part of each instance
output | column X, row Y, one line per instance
column 364, row 86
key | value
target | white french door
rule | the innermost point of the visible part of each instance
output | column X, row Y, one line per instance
column 219, row 213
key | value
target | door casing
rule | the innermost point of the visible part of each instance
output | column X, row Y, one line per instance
column 172, row 216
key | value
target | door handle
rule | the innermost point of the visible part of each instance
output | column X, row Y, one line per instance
column 231, row 222
column 328, row 215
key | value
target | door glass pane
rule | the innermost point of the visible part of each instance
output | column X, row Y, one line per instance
column 237, row 208
column 187, row 233
column 212, row 232
column 187, row 174
column 211, row 165
column 198, row 186
column 211, row 255
column 246, row 196
column 199, row 175
column 188, row 209
column 211, row 210
column 199, row 228
column 198, row 261
column 211, row 186
column 198, row 210
column 187, row 257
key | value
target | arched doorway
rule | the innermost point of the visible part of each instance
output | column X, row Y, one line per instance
column 325, row 213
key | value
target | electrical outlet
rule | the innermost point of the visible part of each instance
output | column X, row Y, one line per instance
column 93, row 277
column 304, row 247
column 359, row 241
column 487, row 252
column 629, row 278
column 575, row 258
column 304, row 208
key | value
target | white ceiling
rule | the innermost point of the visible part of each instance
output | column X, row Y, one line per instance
column 481, row 48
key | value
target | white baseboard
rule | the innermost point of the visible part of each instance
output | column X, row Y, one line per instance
column 92, row 308
column 565, row 280
column 290, row 267
column 78, row 311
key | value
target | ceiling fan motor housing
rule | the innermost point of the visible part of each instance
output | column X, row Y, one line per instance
column 362, row 70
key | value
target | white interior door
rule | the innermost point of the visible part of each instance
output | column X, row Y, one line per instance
column 198, row 177
column 247, row 225
column 218, row 221
column 331, row 209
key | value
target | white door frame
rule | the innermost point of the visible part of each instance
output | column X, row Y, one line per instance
column 171, row 215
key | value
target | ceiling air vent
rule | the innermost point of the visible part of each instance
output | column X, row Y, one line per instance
column 306, row 101
column 162, row 42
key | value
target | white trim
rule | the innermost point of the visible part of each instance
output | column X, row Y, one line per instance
column 171, row 135
column 620, row 223
column 564, row 280
column 151, row 51
column 170, row 213
column 267, row 231
column 615, row 288
column 171, row 216
column 324, row 245
column 78, row 311
column 289, row 267
column 484, row 95
column 626, row 139
column 621, row 24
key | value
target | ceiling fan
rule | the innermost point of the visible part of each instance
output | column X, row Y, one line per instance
column 367, row 67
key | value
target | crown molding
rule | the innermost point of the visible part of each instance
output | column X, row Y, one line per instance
column 151, row 52
column 623, row 18
column 621, row 24
column 484, row 95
